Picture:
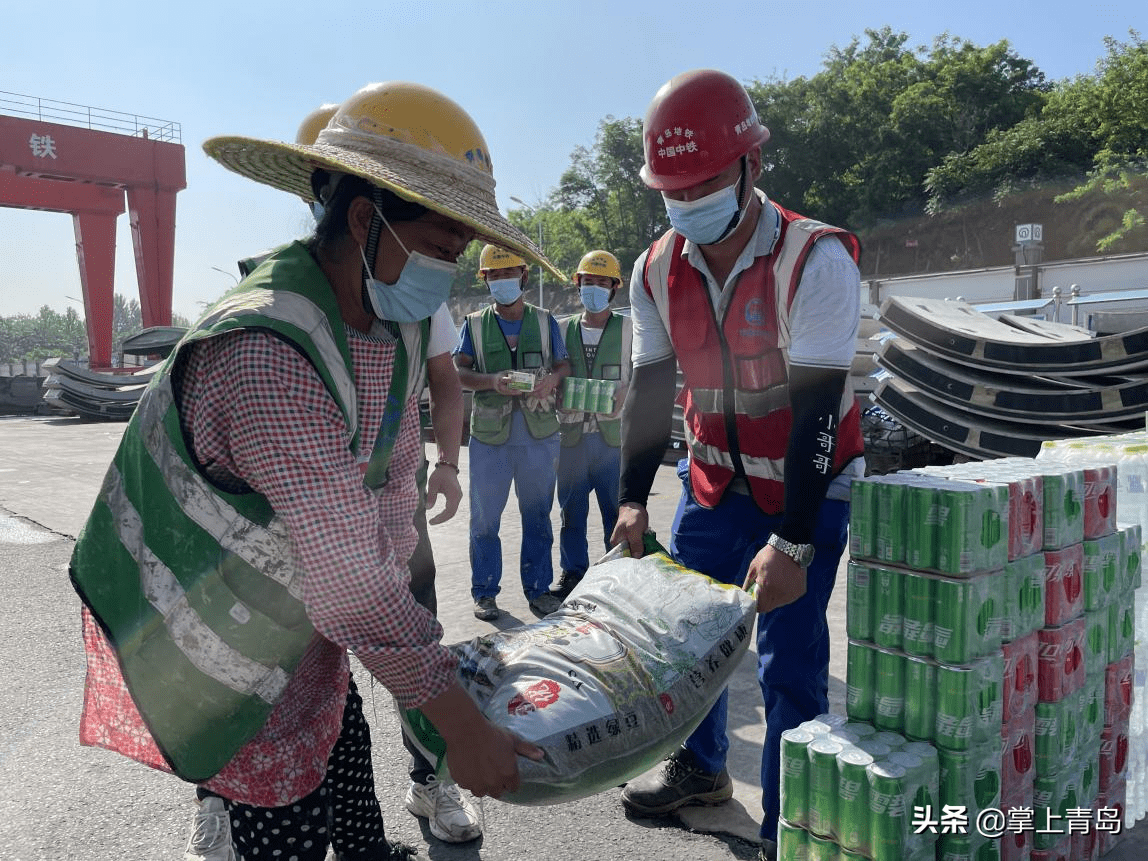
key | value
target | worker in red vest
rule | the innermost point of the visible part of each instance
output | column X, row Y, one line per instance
column 759, row 307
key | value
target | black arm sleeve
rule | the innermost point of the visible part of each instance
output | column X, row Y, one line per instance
column 646, row 418
column 815, row 399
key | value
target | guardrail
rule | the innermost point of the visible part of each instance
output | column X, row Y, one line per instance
column 84, row 116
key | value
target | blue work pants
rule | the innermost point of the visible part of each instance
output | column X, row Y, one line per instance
column 591, row 465
column 792, row 641
column 531, row 466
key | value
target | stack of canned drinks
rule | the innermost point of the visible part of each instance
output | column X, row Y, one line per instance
column 593, row 396
column 1130, row 454
column 849, row 792
column 966, row 615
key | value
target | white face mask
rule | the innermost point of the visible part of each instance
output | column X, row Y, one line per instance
column 505, row 290
column 708, row 219
column 594, row 297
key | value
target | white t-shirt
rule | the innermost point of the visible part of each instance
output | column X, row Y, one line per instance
column 824, row 318
column 443, row 333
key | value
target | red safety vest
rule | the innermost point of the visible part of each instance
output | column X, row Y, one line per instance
column 749, row 347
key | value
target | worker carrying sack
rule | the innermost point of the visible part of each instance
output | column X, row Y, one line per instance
column 609, row 684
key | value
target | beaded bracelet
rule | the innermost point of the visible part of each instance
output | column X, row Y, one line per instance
column 453, row 466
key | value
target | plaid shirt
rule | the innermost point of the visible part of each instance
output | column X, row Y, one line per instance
column 258, row 415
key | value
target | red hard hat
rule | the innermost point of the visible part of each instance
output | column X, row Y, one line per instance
column 698, row 124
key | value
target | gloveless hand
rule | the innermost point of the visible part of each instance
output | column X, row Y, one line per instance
column 779, row 579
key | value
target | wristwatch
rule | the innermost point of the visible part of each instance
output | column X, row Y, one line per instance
column 802, row 554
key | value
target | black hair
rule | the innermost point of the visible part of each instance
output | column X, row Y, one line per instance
column 332, row 227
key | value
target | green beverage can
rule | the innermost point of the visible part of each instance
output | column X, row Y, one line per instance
column 888, row 607
column 860, row 679
column 971, row 778
column 850, row 855
column 1101, row 570
column 794, row 783
column 1121, row 630
column 921, row 524
column 822, row 848
column 922, row 784
column 1095, row 642
column 592, row 392
column 1056, row 737
column 605, row 396
column 859, row 603
column 887, row 821
column 889, row 693
column 1128, row 579
column 823, row 786
column 920, row 699
column 792, row 842
column 853, row 799
column 966, row 622
column 950, row 620
column 969, row 703
column 863, row 518
column 890, row 543
column 956, row 706
column 574, row 393
column 917, row 614
column 1063, row 506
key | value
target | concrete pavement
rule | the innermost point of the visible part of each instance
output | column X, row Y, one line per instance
column 61, row 801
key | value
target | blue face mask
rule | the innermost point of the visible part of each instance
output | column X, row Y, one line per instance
column 706, row 220
column 423, row 285
column 594, row 297
column 505, row 290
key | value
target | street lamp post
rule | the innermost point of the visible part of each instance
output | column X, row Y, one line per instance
column 534, row 212
column 228, row 274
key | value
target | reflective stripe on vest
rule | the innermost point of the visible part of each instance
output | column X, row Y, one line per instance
column 490, row 412
column 196, row 587
column 750, row 333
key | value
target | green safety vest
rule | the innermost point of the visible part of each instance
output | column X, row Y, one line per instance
column 490, row 412
column 196, row 588
column 608, row 365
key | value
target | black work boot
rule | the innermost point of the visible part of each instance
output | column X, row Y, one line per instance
column 678, row 783
column 566, row 584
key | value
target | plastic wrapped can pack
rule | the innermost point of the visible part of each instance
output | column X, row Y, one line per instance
column 609, row 684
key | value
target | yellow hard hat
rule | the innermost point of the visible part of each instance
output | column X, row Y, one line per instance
column 493, row 257
column 599, row 263
column 400, row 136
column 314, row 123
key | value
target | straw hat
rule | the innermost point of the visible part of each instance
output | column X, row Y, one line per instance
column 404, row 137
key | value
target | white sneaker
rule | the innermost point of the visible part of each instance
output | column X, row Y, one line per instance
column 450, row 814
column 211, row 836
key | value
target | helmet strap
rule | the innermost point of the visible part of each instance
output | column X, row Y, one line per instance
column 372, row 249
column 736, row 218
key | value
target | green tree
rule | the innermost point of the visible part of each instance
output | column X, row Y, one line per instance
column 854, row 143
column 1117, row 103
column 601, row 201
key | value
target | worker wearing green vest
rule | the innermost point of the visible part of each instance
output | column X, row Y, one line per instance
column 598, row 341
column 255, row 524
column 512, row 356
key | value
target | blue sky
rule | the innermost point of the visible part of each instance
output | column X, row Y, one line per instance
column 537, row 77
